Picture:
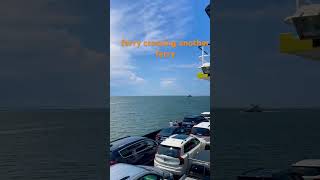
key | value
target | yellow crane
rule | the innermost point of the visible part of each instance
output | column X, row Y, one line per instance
column 205, row 65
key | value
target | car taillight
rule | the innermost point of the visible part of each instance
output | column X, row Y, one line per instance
column 181, row 161
column 157, row 136
column 180, row 158
column 112, row 162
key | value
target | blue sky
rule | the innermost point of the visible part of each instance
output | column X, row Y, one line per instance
column 137, row 71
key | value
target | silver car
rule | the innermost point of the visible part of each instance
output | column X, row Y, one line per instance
column 123, row 171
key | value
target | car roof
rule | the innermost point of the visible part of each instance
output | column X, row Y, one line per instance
column 119, row 143
column 307, row 163
column 176, row 140
column 125, row 171
column 203, row 125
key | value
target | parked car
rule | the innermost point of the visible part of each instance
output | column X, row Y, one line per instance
column 202, row 130
column 123, row 171
column 200, row 167
column 189, row 121
column 173, row 153
column 133, row 150
column 206, row 115
column 166, row 132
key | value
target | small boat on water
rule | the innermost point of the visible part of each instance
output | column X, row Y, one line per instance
column 189, row 95
column 253, row 108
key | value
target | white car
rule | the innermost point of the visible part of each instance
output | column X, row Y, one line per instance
column 202, row 131
column 173, row 153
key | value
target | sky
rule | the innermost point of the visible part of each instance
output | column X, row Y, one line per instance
column 248, row 66
column 137, row 71
column 53, row 54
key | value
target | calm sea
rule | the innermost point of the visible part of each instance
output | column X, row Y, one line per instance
column 144, row 114
column 52, row 144
column 272, row 139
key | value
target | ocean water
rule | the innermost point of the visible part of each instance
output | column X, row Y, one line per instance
column 52, row 144
column 274, row 139
column 144, row 114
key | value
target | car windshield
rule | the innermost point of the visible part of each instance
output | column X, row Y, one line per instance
column 169, row 151
column 167, row 131
column 200, row 131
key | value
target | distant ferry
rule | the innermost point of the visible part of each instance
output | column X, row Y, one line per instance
column 189, row 95
column 253, row 108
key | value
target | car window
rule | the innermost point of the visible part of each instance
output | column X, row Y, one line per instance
column 150, row 143
column 143, row 146
column 191, row 144
column 151, row 177
column 196, row 141
column 188, row 146
column 128, row 151
column 200, row 131
column 169, row 151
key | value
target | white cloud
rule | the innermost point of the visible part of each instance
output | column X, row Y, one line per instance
column 168, row 82
column 174, row 67
column 144, row 20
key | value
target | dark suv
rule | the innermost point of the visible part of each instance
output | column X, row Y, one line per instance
column 189, row 121
column 133, row 150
